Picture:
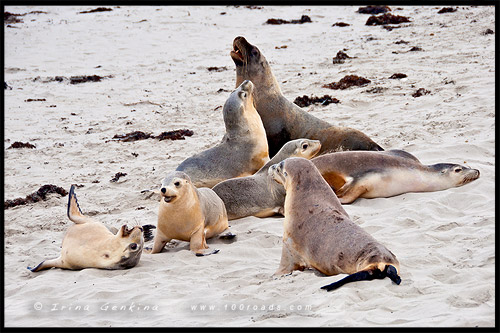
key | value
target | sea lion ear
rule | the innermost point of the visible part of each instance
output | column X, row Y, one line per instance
column 123, row 232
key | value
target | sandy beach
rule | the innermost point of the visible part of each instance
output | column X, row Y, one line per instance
column 167, row 68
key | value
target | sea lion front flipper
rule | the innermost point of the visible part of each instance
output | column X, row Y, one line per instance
column 47, row 264
column 371, row 274
column 159, row 243
column 74, row 212
column 287, row 262
column 198, row 244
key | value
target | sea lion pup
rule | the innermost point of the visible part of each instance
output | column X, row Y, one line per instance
column 368, row 174
column 283, row 120
column 188, row 213
column 243, row 149
column 259, row 195
column 318, row 233
column 90, row 244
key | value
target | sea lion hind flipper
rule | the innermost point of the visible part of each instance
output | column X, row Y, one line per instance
column 401, row 153
column 148, row 233
column 371, row 274
column 200, row 254
column 350, row 191
column 46, row 264
column 229, row 236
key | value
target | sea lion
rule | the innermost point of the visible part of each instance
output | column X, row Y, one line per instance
column 243, row 149
column 369, row 174
column 318, row 233
column 90, row 244
column 188, row 213
column 283, row 120
column 259, row 195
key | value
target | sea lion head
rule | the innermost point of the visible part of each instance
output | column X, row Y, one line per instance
column 173, row 186
column 307, row 148
column 459, row 174
column 128, row 246
column 239, row 106
column 251, row 64
column 298, row 171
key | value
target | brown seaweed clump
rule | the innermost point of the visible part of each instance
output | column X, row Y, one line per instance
column 96, row 10
column 139, row 135
column 398, row 76
column 117, row 176
column 420, row 92
column 347, row 82
column 387, row 18
column 373, row 9
column 40, row 194
column 303, row 19
column 19, row 144
column 306, row 100
column 340, row 57
column 447, row 10
column 175, row 135
column 132, row 136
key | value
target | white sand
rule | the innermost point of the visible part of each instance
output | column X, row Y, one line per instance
column 158, row 57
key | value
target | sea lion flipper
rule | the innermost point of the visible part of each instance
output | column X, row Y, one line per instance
column 371, row 274
column 47, row 264
column 401, row 153
column 350, row 191
column 392, row 274
column 148, row 233
column 74, row 212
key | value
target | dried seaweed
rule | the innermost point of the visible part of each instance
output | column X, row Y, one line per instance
column 347, row 82
column 40, row 194
column 306, row 100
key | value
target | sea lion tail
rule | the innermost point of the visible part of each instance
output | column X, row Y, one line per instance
column 74, row 212
column 389, row 271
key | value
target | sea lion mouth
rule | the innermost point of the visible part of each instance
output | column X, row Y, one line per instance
column 168, row 199
column 239, row 51
column 473, row 175
column 237, row 56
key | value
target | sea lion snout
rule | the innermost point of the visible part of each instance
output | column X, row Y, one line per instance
column 247, row 86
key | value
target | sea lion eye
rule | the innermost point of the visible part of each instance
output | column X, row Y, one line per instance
column 458, row 169
column 177, row 184
column 254, row 52
column 243, row 94
column 304, row 146
column 133, row 246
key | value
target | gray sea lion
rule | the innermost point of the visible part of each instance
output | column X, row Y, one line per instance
column 188, row 213
column 243, row 149
column 90, row 244
column 368, row 174
column 283, row 120
column 258, row 195
column 318, row 233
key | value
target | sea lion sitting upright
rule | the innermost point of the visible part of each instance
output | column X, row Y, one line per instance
column 259, row 195
column 283, row 120
column 370, row 174
column 188, row 213
column 90, row 244
column 243, row 149
column 318, row 233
